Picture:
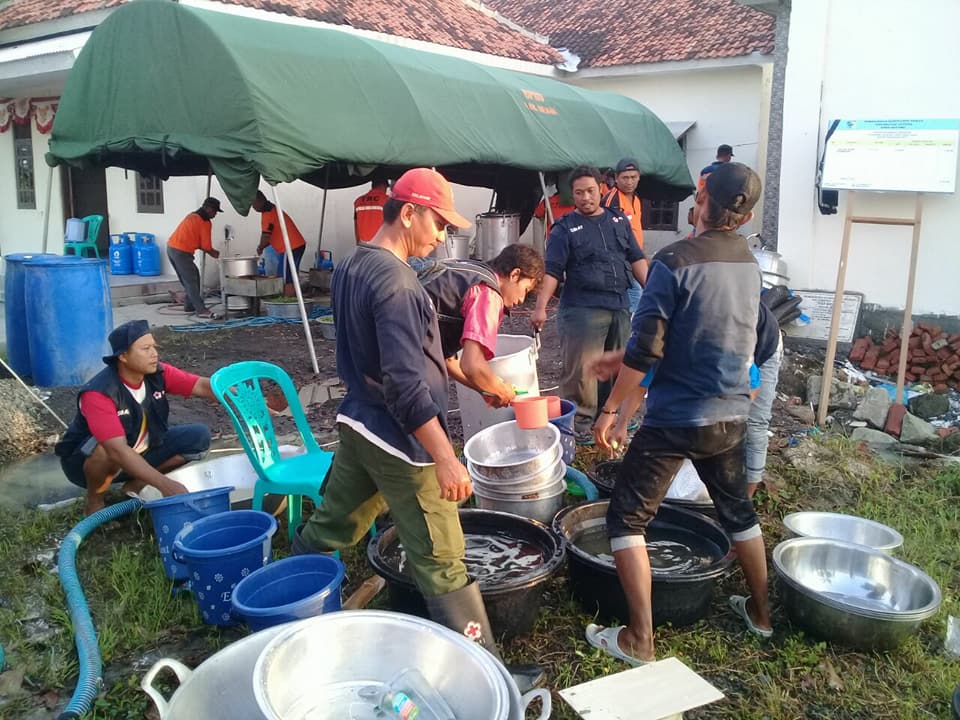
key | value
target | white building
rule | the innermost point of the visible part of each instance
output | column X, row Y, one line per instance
column 877, row 60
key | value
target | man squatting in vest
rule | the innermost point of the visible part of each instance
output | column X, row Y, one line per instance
column 120, row 432
column 470, row 298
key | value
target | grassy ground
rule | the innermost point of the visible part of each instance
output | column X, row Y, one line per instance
column 792, row 676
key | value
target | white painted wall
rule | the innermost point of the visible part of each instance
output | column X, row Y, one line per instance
column 22, row 230
column 726, row 105
column 884, row 59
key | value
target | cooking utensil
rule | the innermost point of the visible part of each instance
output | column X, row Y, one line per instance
column 853, row 594
column 848, row 528
column 504, row 451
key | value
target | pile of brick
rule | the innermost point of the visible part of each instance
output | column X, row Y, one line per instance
column 934, row 356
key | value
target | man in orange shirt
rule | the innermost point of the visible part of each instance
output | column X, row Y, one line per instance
column 272, row 235
column 558, row 208
column 368, row 212
column 192, row 234
column 624, row 198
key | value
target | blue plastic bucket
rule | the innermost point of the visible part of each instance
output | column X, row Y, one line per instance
column 290, row 589
column 220, row 551
column 121, row 255
column 15, row 311
column 146, row 255
column 564, row 422
column 69, row 316
column 171, row 514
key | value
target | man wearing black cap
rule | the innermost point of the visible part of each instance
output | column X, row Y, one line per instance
column 192, row 234
column 724, row 155
column 625, row 199
column 697, row 322
column 121, row 421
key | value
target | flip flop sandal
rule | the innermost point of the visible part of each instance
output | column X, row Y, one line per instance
column 605, row 638
column 738, row 603
column 208, row 315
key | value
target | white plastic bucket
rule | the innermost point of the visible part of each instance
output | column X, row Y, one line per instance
column 515, row 362
column 76, row 231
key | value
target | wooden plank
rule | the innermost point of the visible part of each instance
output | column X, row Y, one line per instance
column 908, row 308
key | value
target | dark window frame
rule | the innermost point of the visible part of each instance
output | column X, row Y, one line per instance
column 661, row 215
column 24, row 175
column 149, row 194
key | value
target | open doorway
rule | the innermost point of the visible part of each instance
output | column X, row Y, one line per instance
column 85, row 193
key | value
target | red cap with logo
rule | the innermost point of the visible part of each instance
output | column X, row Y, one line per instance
column 426, row 187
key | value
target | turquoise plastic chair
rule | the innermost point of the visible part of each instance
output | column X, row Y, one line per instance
column 93, row 223
column 237, row 387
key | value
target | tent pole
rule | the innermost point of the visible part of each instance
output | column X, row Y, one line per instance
column 295, row 276
column 323, row 214
column 546, row 207
column 203, row 255
column 46, row 208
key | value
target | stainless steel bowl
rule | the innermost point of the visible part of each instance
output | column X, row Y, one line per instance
column 541, row 508
column 328, row 662
column 533, row 483
column 506, row 452
column 853, row 594
column 848, row 528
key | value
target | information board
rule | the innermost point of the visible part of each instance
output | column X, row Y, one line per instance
column 892, row 155
column 818, row 306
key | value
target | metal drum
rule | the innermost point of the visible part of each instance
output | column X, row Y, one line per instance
column 239, row 266
column 494, row 232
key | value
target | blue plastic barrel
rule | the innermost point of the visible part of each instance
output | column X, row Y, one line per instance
column 564, row 423
column 146, row 255
column 171, row 514
column 15, row 311
column 220, row 551
column 121, row 255
column 69, row 316
column 290, row 589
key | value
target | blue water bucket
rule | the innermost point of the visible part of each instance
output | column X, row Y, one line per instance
column 146, row 255
column 564, row 422
column 220, row 551
column 290, row 589
column 69, row 316
column 15, row 312
column 121, row 255
column 171, row 514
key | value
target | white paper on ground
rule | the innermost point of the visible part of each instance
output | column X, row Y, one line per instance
column 652, row 692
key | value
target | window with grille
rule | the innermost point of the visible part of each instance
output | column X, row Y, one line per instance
column 660, row 215
column 149, row 194
column 23, row 157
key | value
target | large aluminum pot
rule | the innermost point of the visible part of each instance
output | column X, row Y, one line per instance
column 542, row 507
column 220, row 688
column 853, row 594
column 494, row 232
column 326, row 662
column 534, row 483
column 848, row 528
column 773, row 268
column 506, row 452
column 239, row 266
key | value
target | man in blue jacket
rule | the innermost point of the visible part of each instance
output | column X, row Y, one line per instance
column 594, row 252
column 394, row 449
column 697, row 322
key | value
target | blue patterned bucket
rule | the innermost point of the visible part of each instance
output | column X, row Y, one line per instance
column 171, row 514
column 220, row 551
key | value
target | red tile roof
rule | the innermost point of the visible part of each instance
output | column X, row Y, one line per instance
column 445, row 22
column 605, row 33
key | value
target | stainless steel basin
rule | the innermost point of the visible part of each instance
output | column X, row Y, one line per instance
column 853, row 594
column 848, row 528
column 506, row 452
column 318, row 668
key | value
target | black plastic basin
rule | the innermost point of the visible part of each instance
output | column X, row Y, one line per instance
column 681, row 596
column 512, row 593
column 605, row 476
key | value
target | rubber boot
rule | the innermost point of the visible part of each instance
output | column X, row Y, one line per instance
column 463, row 611
column 300, row 547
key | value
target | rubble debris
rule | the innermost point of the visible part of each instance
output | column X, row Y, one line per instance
column 874, row 408
column 916, row 431
column 843, row 395
column 872, row 437
column 929, row 405
column 934, row 356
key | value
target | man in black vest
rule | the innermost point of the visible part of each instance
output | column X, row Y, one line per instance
column 470, row 298
column 121, row 421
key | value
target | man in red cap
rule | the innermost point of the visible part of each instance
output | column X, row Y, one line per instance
column 120, row 431
column 394, row 449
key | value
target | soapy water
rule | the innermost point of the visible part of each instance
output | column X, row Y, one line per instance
column 671, row 551
column 491, row 559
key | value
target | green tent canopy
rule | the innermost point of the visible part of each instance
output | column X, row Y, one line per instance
column 167, row 89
